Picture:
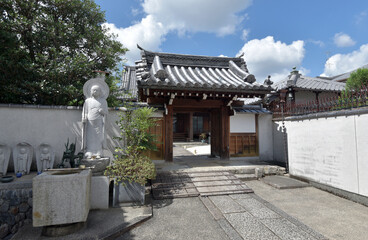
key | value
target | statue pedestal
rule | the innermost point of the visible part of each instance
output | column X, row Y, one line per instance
column 98, row 165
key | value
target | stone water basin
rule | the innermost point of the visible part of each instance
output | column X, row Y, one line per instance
column 61, row 196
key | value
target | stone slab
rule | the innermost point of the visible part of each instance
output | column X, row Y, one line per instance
column 216, row 213
column 61, row 197
column 250, row 227
column 240, row 196
column 282, row 182
column 257, row 209
column 250, row 203
column 286, row 230
column 99, row 192
column 229, row 230
column 226, row 204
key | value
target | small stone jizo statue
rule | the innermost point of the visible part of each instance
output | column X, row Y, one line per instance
column 45, row 157
column 22, row 157
column 4, row 158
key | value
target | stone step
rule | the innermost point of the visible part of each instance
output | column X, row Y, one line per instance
column 245, row 176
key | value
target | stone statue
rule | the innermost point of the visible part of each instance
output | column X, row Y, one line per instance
column 93, row 117
column 45, row 157
column 4, row 158
column 22, row 157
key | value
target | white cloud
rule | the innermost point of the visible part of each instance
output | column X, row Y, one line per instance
column 266, row 57
column 343, row 40
column 219, row 17
column 135, row 11
column 316, row 42
column 341, row 63
column 148, row 34
column 245, row 34
column 182, row 16
column 360, row 17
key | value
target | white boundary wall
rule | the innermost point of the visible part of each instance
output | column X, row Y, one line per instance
column 49, row 125
column 330, row 150
column 246, row 123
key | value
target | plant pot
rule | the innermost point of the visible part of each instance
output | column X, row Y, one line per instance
column 203, row 141
column 130, row 193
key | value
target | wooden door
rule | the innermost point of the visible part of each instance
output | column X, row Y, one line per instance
column 158, row 131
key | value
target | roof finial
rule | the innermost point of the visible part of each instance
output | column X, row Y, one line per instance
column 294, row 71
column 241, row 55
column 268, row 81
column 139, row 47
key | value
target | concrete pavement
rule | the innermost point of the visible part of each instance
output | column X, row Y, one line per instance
column 179, row 218
column 333, row 216
column 235, row 217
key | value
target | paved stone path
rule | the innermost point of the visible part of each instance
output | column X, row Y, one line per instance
column 182, row 184
column 247, row 216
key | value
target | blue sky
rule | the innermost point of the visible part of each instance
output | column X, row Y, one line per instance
column 325, row 37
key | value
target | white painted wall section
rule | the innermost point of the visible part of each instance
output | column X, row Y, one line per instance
column 331, row 151
column 50, row 125
column 278, row 142
column 265, row 137
column 361, row 122
column 242, row 123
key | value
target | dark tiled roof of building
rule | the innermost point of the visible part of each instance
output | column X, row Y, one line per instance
column 297, row 81
column 189, row 72
column 128, row 88
column 251, row 109
column 345, row 76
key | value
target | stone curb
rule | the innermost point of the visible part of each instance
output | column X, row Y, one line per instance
column 120, row 230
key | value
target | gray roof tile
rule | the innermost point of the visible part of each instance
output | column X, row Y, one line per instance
column 310, row 83
column 176, row 71
column 344, row 76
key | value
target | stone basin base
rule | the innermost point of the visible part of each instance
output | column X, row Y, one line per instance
column 98, row 165
column 62, row 230
column 61, row 197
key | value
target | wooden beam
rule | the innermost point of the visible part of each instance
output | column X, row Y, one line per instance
column 215, row 132
column 193, row 103
column 169, row 134
column 225, row 133
column 190, row 135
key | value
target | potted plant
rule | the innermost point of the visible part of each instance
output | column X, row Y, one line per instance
column 131, row 168
column 203, row 137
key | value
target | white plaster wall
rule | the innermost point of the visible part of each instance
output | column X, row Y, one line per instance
column 324, row 95
column 242, row 123
column 304, row 96
column 331, row 151
column 278, row 142
column 361, row 122
column 52, row 126
column 265, row 136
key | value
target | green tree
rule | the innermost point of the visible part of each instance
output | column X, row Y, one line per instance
column 131, row 162
column 49, row 49
column 357, row 79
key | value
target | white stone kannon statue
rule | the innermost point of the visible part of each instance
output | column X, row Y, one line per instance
column 22, row 157
column 4, row 158
column 45, row 157
column 93, row 117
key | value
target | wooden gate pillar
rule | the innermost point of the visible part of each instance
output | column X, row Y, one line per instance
column 190, row 134
column 225, row 133
column 215, row 132
column 169, row 134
